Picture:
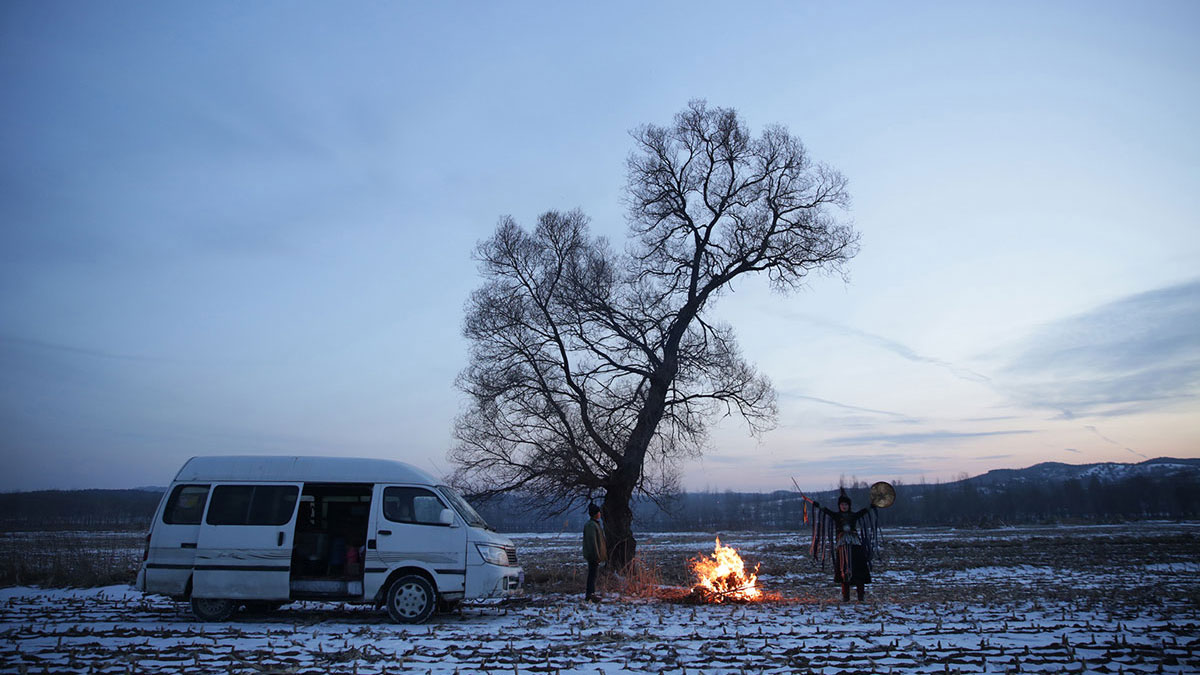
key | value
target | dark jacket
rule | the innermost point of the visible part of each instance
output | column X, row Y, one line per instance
column 593, row 542
column 844, row 523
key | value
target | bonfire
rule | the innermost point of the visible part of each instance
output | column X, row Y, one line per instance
column 723, row 578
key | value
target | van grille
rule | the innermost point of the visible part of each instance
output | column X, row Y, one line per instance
column 511, row 552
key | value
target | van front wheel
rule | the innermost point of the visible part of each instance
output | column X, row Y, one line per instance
column 411, row 599
column 212, row 609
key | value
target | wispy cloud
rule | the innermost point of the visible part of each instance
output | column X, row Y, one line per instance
column 9, row 342
column 1133, row 355
column 729, row 460
column 1136, row 354
column 844, row 406
column 1128, row 449
column 1096, row 431
column 879, row 467
column 898, row 348
column 920, row 437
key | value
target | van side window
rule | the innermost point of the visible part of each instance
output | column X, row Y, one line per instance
column 412, row 505
column 186, row 505
column 252, row 504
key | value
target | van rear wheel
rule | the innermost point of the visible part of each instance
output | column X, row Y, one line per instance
column 411, row 599
column 212, row 609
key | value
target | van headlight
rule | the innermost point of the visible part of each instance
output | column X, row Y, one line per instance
column 492, row 554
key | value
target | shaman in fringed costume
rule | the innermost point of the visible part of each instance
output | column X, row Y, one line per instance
column 850, row 539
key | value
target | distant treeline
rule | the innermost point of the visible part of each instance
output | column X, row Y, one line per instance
column 963, row 503
column 958, row 504
column 1172, row 497
column 96, row 510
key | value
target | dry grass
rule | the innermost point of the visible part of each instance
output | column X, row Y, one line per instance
column 554, row 576
column 69, row 559
column 642, row 579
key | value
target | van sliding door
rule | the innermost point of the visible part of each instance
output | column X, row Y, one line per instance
column 245, row 545
column 173, row 544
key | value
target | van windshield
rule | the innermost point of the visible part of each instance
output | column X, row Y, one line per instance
column 464, row 509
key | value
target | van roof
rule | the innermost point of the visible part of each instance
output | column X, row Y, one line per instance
column 302, row 469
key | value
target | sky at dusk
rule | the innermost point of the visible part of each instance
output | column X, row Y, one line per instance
column 246, row 228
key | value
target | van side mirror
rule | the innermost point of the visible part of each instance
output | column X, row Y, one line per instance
column 446, row 517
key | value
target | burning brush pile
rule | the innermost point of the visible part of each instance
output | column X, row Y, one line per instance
column 723, row 578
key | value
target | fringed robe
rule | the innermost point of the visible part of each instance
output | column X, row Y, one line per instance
column 849, row 539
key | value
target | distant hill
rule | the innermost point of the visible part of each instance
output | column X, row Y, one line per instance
column 1047, row 492
column 1106, row 472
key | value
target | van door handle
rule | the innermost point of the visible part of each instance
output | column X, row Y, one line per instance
column 187, row 544
column 280, row 542
column 385, row 532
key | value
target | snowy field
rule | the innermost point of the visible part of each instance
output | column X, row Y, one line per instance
column 1102, row 599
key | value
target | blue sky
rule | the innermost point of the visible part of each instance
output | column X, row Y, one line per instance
column 246, row 227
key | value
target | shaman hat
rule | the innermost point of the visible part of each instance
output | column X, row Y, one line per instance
column 843, row 497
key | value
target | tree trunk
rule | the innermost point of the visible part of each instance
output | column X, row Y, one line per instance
column 617, row 511
column 618, row 527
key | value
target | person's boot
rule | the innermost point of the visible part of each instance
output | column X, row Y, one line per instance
column 862, row 592
column 845, row 592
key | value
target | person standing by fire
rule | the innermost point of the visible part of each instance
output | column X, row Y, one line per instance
column 850, row 538
column 594, row 551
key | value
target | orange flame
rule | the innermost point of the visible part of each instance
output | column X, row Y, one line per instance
column 723, row 577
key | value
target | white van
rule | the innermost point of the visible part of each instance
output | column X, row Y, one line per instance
column 262, row 531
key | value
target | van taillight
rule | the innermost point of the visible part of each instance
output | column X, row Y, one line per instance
column 146, row 553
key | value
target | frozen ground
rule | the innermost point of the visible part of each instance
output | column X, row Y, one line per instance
column 1101, row 599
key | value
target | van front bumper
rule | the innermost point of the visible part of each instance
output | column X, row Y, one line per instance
column 514, row 583
column 511, row 582
column 496, row 581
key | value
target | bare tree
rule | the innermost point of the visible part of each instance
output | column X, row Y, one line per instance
column 596, row 371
